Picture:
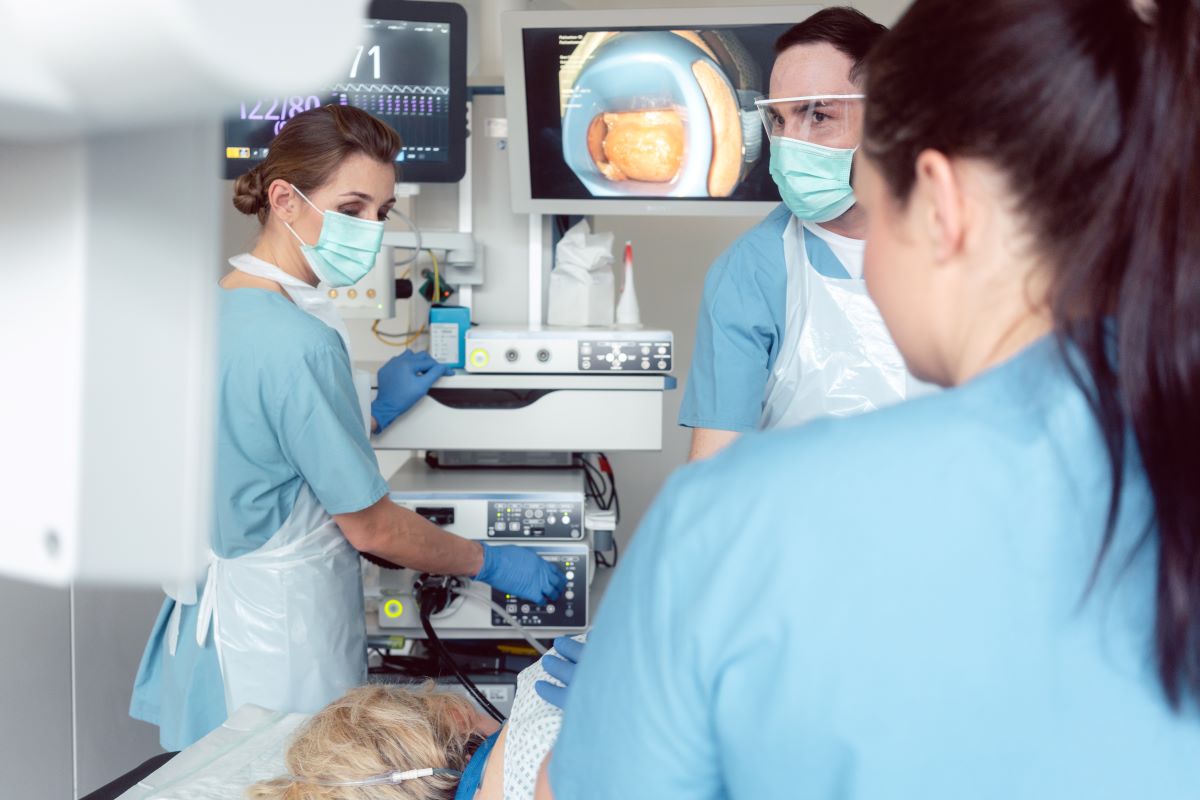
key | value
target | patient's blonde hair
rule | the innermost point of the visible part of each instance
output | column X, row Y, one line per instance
column 373, row 730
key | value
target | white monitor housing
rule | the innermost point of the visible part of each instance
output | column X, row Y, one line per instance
column 641, row 111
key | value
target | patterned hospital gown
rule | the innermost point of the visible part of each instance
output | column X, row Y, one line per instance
column 532, row 730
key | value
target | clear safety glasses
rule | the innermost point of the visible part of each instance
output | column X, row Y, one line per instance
column 380, row 780
column 831, row 120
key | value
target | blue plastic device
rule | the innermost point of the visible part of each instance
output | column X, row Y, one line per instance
column 448, row 334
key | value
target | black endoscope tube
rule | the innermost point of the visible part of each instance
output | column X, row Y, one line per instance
column 446, row 658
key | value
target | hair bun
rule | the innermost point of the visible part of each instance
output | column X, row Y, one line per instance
column 248, row 194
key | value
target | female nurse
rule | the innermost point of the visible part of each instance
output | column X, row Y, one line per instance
column 993, row 592
column 279, row 620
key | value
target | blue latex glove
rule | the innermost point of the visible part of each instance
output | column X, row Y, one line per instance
column 562, row 667
column 521, row 571
column 402, row 382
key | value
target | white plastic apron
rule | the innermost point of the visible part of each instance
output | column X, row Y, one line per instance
column 287, row 619
column 837, row 356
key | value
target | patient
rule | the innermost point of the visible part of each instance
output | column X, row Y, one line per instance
column 358, row 746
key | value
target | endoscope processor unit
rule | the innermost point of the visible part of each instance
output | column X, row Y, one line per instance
column 565, row 351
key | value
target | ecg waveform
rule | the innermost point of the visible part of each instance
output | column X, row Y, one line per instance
column 389, row 88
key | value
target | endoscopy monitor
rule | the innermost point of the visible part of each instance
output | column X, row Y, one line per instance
column 641, row 110
column 408, row 69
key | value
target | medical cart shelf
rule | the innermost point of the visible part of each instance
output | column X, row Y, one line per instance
column 558, row 413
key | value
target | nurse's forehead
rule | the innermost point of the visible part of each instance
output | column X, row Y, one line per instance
column 809, row 69
column 363, row 178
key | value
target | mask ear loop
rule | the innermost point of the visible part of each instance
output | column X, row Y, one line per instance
column 390, row 778
column 314, row 208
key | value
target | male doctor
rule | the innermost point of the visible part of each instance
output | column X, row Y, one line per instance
column 786, row 331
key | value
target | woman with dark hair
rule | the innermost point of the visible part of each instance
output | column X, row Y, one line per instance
column 990, row 592
column 279, row 619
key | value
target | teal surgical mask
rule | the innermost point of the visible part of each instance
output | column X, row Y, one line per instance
column 346, row 249
column 813, row 180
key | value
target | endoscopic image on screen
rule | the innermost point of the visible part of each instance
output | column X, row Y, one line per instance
column 648, row 113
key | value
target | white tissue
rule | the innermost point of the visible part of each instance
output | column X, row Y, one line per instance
column 582, row 285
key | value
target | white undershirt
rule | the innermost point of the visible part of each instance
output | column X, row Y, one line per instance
column 848, row 251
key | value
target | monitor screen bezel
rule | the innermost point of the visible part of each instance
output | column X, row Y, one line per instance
column 515, row 22
column 454, row 167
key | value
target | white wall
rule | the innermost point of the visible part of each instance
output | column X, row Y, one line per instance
column 885, row 11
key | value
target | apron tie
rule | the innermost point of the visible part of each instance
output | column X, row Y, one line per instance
column 208, row 599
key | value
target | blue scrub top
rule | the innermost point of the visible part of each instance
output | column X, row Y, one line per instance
column 887, row 606
column 739, row 330
column 287, row 414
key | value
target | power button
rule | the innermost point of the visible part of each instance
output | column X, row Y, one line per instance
column 479, row 357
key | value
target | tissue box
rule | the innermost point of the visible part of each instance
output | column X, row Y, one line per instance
column 575, row 303
column 582, row 288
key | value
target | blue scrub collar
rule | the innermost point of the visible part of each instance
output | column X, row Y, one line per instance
column 473, row 773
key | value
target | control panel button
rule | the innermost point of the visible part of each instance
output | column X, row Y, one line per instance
column 570, row 575
column 479, row 357
column 569, row 595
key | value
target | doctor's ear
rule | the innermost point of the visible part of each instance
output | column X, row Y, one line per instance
column 283, row 201
column 938, row 192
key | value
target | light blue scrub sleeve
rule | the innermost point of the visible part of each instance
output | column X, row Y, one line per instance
column 737, row 336
column 323, row 436
column 637, row 721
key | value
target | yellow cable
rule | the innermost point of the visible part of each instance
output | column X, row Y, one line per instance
column 379, row 335
column 416, row 335
column 437, row 281
column 412, row 335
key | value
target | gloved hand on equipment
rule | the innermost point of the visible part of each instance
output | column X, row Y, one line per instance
column 402, row 382
column 520, row 571
column 561, row 666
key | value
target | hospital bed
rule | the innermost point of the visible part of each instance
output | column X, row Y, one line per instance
column 247, row 748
